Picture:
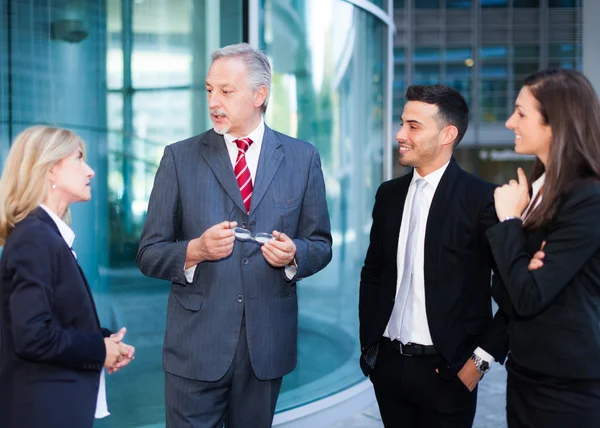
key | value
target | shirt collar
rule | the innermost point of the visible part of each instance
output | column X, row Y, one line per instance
column 537, row 184
column 65, row 231
column 433, row 178
column 256, row 136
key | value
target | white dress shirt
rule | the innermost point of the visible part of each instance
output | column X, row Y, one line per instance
column 69, row 236
column 420, row 333
column 535, row 187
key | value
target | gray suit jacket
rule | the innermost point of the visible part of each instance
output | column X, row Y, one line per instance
column 194, row 189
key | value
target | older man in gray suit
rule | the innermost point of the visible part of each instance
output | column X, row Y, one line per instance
column 232, row 312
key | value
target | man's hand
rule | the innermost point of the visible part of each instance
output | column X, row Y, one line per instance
column 537, row 261
column 469, row 375
column 280, row 251
column 512, row 198
column 214, row 244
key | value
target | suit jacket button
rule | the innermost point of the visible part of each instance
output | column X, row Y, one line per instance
column 240, row 299
column 245, row 260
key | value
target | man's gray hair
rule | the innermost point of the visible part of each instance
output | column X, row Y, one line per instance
column 256, row 62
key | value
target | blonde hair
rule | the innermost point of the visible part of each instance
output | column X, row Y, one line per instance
column 24, row 182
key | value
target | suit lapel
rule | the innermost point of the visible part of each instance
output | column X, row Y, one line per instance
column 397, row 208
column 268, row 163
column 217, row 158
column 43, row 215
column 439, row 209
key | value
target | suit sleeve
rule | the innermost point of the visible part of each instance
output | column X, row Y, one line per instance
column 495, row 339
column 34, row 261
column 313, row 247
column 160, row 254
column 370, row 275
column 572, row 241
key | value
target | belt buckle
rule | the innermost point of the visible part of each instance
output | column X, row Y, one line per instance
column 402, row 352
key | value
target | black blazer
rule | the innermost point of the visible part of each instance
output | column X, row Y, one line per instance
column 457, row 268
column 554, row 311
column 51, row 344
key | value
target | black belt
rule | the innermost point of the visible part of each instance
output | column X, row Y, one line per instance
column 410, row 349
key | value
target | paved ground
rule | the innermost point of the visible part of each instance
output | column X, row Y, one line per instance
column 490, row 405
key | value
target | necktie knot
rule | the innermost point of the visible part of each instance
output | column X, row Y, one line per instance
column 420, row 183
column 243, row 144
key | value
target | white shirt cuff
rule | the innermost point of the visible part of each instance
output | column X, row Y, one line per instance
column 189, row 274
column 290, row 271
column 484, row 355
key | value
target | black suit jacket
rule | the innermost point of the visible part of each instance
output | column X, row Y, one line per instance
column 457, row 268
column 51, row 344
column 555, row 310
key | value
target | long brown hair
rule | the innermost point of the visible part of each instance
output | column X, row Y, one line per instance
column 568, row 103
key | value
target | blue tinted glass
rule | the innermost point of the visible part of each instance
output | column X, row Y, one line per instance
column 458, row 4
column 492, row 52
column 457, row 54
column 564, row 3
column 427, row 4
column 526, row 3
column 399, row 55
column 493, row 71
column 493, row 3
column 427, row 54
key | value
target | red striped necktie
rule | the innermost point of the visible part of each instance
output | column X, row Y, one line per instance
column 242, row 172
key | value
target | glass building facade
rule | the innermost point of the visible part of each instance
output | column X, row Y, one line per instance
column 484, row 49
column 128, row 76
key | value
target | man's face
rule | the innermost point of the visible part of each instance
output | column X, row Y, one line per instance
column 419, row 135
column 234, row 106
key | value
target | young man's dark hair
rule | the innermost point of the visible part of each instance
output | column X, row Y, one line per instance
column 453, row 109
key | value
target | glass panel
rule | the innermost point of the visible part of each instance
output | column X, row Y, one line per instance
column 562, row 50
column 427, row 4
column 114, row 54
column 526, row 53
column 457, row 54
column 426, row 74
column 526, row 3
column 328, row 86
column 398, row 4
column 564, row 3
column 427, row 55
column 458, row 4
column 492, row 52
column 493, row 100
column 381, row 3
column 526, row 68
column 493, row 3
column 459, row 77
column 162, row 44
column 399, row 54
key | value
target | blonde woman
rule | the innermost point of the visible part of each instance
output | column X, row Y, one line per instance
column 52, row 348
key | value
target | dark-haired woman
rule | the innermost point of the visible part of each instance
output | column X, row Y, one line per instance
column 553, row 300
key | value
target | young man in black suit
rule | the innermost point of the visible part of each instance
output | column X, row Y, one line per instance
column 426, row 328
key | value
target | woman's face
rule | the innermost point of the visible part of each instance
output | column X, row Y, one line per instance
column 72, row 178
column 532, row 136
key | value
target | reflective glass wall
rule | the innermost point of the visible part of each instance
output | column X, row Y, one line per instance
column 329, row 62
column 128, row 76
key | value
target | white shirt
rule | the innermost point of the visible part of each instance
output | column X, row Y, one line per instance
column 535, row 187
column 252, row 156
column 420, row 333
column 69, row 236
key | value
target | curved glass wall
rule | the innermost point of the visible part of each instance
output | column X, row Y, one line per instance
column 135, row 83
column 329, row 69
